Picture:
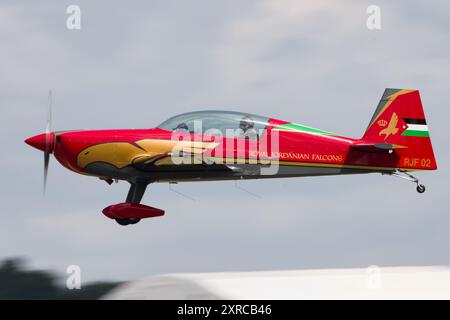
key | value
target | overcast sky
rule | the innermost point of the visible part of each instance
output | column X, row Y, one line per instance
column 134, row 64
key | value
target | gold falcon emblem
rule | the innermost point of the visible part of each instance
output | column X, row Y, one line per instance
column 391, row 128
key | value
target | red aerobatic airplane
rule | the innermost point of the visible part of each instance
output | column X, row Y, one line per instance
column 225, row 145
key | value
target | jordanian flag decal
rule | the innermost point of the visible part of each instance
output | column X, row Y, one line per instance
column 416, row 128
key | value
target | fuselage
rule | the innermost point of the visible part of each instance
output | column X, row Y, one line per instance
column 110, row 154
column 278, row 149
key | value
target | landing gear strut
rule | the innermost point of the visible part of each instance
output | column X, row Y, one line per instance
column 405, row 175
column 135, row 194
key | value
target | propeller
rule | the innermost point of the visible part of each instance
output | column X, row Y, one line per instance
column 48, row 140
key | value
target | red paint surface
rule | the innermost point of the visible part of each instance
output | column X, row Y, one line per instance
column 131, row 211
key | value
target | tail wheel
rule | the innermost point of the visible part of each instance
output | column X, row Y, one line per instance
column 420, row 188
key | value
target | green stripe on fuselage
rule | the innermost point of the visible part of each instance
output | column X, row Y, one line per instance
column 300, row 128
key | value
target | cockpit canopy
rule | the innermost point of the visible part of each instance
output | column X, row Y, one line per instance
column 224, row 123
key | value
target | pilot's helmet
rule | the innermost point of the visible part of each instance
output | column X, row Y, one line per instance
column 246, row 123
column 182, row 127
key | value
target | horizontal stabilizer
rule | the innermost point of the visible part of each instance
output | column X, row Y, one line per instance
column 376, row 147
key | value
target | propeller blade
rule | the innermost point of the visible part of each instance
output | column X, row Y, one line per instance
column 48, row 137
column 46, row 162
column 48, row 129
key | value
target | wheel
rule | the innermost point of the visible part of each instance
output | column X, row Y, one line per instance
column 420, row 188
column 123, row 221
column 134, row 220
column 127, row 221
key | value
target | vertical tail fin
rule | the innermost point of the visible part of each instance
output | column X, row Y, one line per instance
column 399, row 120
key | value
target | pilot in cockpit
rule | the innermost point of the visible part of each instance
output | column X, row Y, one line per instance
column 182, row 127
column 247, row 129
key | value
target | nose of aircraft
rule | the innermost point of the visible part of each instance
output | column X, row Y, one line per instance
column 41, row 141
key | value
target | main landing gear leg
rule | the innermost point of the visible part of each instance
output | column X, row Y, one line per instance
column 405, row 175
column 135, row 194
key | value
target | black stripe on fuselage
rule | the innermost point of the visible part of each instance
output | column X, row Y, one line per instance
column 414, row 121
